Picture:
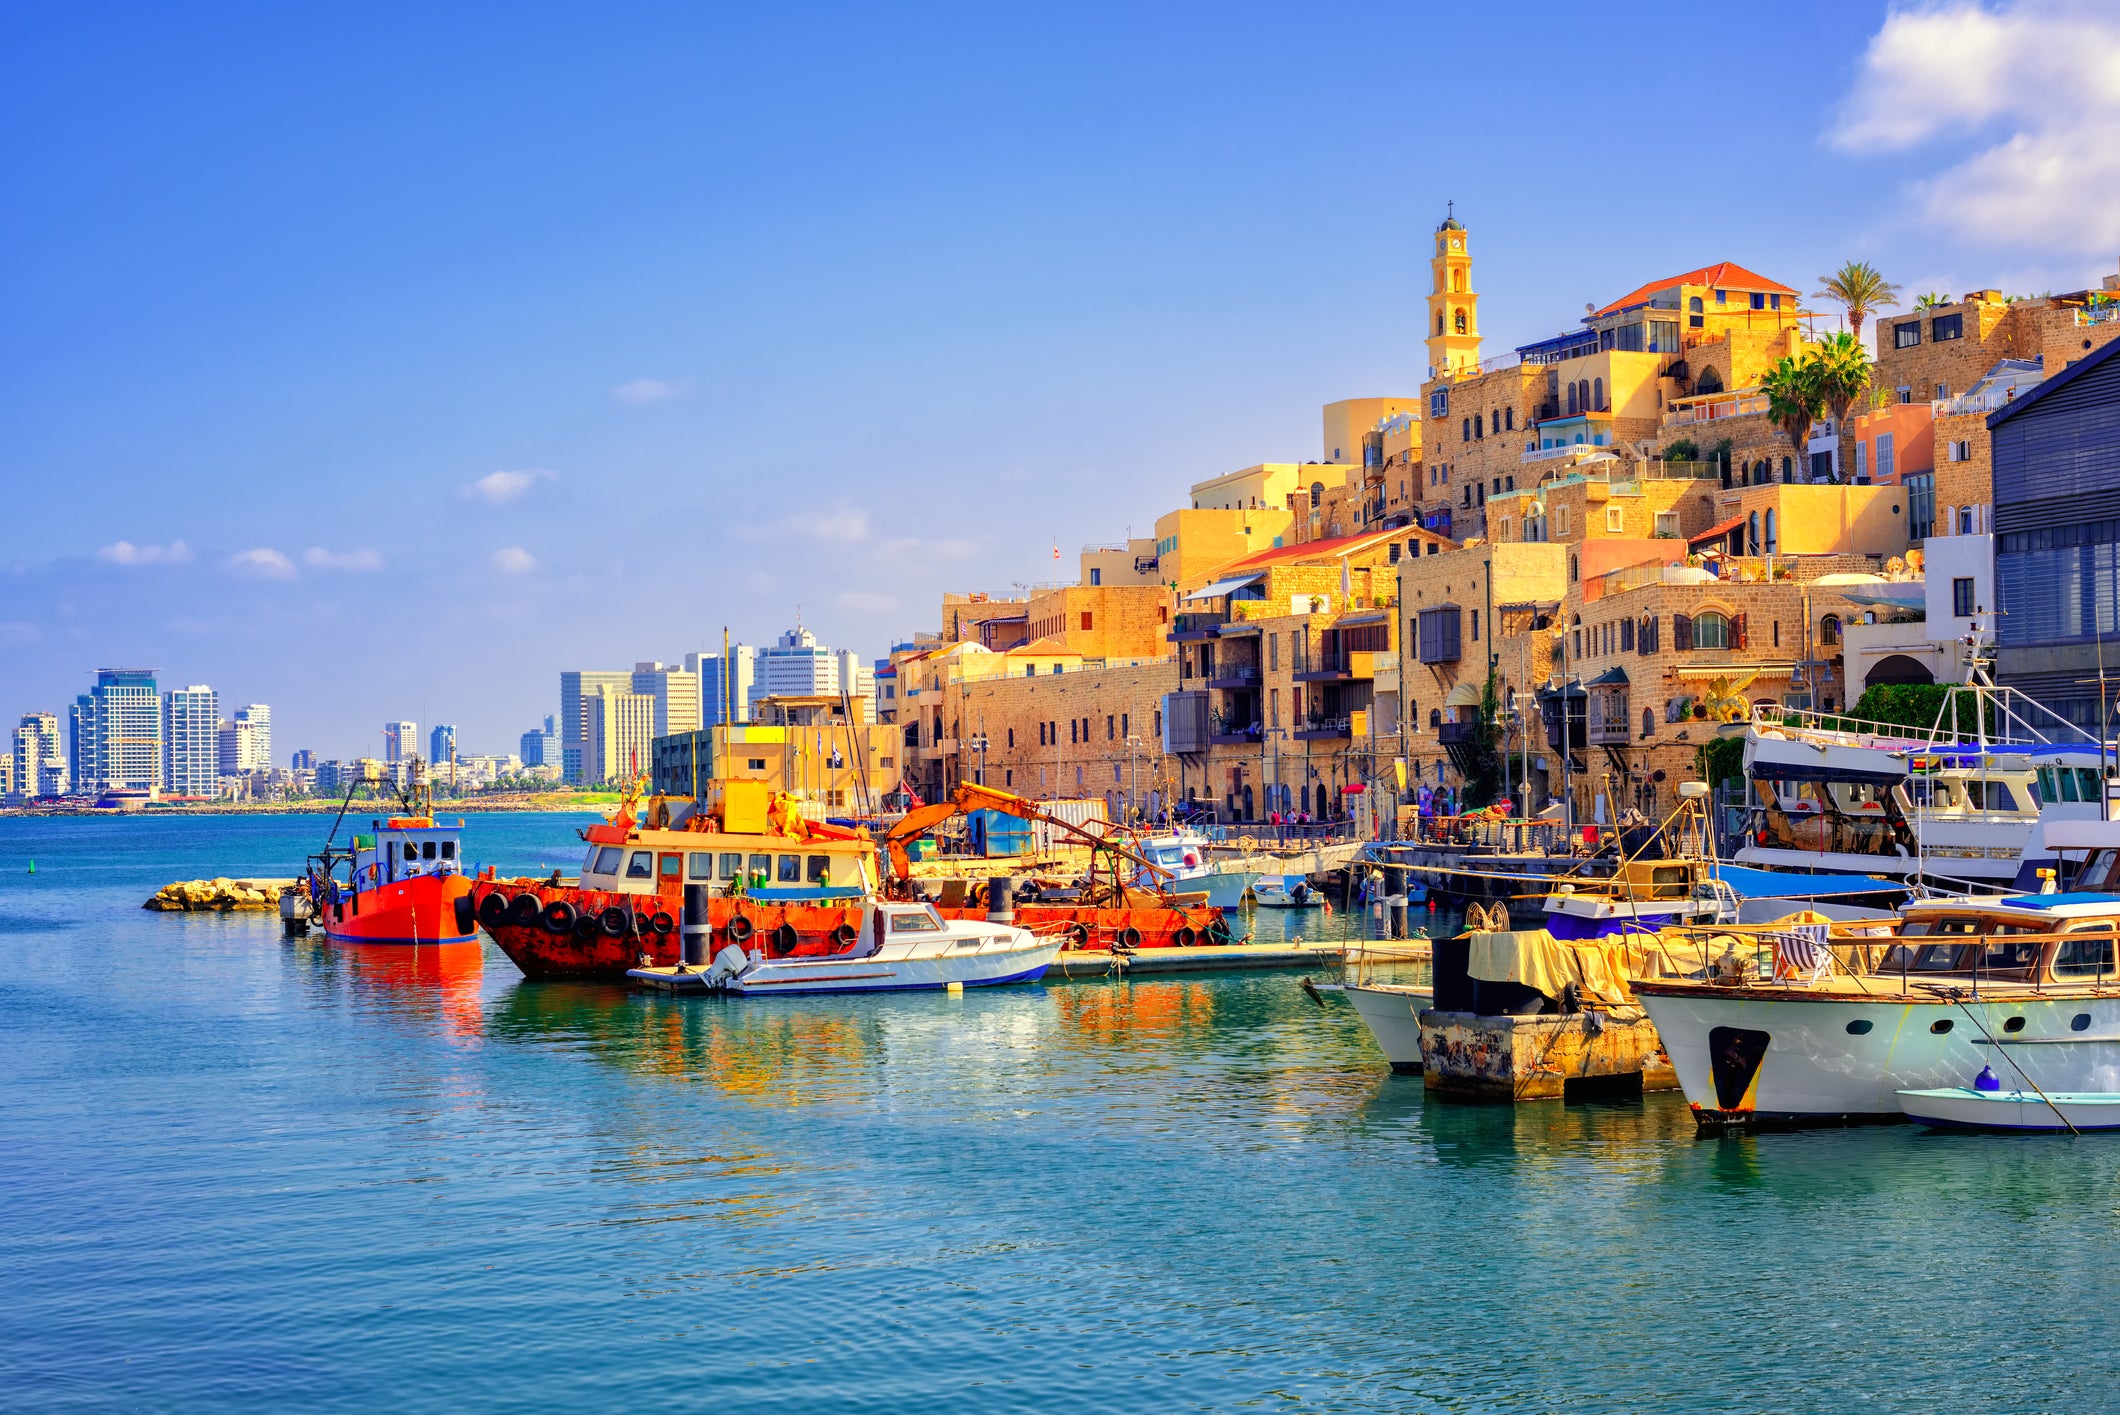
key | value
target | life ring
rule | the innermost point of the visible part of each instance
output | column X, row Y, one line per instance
column 1247, row 842
column 662, row 923
column 785, row 938
column 466, row 914
column 740, row 929
column 845, row 934
column 524, row 909
column 493, row 910
column 1078, row 934
column 1184, row 937
column 1218, row 935
column 612, row 921
column 586, row 928
column 558, row 916
column 1128, row 937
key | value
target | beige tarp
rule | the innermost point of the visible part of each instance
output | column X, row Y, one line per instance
column 1601, row 968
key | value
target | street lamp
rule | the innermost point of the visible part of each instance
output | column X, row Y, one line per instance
column 1133, row 772
column 978, row 744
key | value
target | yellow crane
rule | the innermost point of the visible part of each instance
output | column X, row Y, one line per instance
column 970, row 797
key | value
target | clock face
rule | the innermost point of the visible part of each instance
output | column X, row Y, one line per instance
column 1455, row 243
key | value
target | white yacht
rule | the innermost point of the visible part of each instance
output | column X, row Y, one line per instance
column 899, row 947
column 1184, row 854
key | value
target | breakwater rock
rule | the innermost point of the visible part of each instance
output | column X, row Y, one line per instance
column 201, row 896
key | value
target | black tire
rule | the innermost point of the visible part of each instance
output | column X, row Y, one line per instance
column 785, row 938
column 740, row 930
column 466, row 915
column 662, row 923
column 613, row 922
column 1218, row 935
column 845, row 935
column 1128, row 937
column 524, row 909
column 587, row 929
column 1078, row 934
column 493, row 910
column 558, row 916
column 1184, row 937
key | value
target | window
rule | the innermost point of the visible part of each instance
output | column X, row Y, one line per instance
column 1722, row 297
column 1693, row 303
column 1096, row 575
column 1829, row 629
column 1086, row 619
column 1777, row 633
column 1560, row 520
column 819, row 868
column 1862, row 463
column 1479, row 426
column 755, row 763
column 731, row 865
column 1962, row 595
column 642, row 865
column 1667, row 524
column 1439, row 401
column 1921, row 506
column 1752, row 533
column 1907, row 335
column 1475, row 626
column 1626, row 636
column 1759, row 299
column 1465, row 430
column 1959, row 451
column 1509, row 419
column 1573, row 569
column 1317, row 492
column 1647, row 634
column 1436, row 633
column 1597, row 394
column 1885, row 460
column 1772, row 542
column 1615, row 519
column 1124, row 729
column 790, row 870
column 1111, row 728
column 1273, row 652
column 1681, row 632
column 1946, row 326
column 1711, row 631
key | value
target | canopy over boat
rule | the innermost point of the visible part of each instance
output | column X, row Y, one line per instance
column 1778, row 884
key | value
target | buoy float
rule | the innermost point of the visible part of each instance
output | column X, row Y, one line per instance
column 33, row 867
column 954, row 989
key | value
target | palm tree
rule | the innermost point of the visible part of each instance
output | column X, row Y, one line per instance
column 1793, row 400
column 1860, row 289
column 1843, row 372
column 1930, row 300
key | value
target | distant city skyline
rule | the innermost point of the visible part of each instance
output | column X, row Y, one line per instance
column 1038, row 277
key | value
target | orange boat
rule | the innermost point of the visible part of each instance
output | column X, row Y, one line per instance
column 403, row 884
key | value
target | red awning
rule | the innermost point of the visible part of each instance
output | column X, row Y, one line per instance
column 1716, row 531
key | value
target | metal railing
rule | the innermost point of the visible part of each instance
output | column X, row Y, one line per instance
column 2097, row 314
column 1719, row 409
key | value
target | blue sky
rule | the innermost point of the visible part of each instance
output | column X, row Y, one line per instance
column 380, row 363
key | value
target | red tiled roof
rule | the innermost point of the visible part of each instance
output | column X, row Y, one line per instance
column 1721, row 276
column 1717, row 531
column 1321, row 549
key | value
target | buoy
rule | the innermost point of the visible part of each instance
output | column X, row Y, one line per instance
column 33, row 867
column 954, row 989
column 1431, row 906
column 1987, row 1080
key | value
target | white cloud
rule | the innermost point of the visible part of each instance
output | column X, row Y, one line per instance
column 2042, row 76
column 318, row 558
column 264, row 563
column 514, row 560
column 639, row 392
column 500, row 488
column 124, row 552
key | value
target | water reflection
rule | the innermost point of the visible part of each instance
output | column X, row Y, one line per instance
column 430, row 983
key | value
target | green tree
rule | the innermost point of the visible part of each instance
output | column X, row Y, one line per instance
column 1861, row 290
column 1844, row 371
column 1483, row 775
column 1721, row 760
column 1794, row 400
column 1930, row 300
column 1683, row 450
column 1919, row 705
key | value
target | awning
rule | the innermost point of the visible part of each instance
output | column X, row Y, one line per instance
column 1376, row 616
column 1783, row 884
column 1716, row 531
column 1613, row 677
column 1465, row 694
column 1222, row 587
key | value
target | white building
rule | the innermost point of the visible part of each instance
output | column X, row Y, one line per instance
column 259, row 716
column 676, row 694
column 191, row 742
column 401, row 741
column 38, row 766
column 576, row 687
column 621, row 736
column 798, row 666
column 124, row 731
column 239, row 748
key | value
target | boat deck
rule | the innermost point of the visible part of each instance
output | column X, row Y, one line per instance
column 1087, row 965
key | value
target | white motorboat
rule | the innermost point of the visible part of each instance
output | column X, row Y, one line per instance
column 1975, row 1108
column 1183, row 855
column 899, row 947
column 1392, row 1013
column 1833, row 1029
column 1285, row 892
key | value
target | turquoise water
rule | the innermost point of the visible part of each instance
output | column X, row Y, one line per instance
column 245, row 1173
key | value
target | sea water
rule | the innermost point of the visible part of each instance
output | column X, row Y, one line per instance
column 242, row 1172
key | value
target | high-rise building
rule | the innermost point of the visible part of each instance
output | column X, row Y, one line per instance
column 441, row 744
column 540, row 745
column 725, row 688
column 81, row 743
column 401, row 741
column 37, row 766
column 798, row 666
column 259, row 716
column 239, row 747
column 191, row 741
column 619, row 739
column 304, row 760
column 576, row 686
column 126, row 711
column 676, row 694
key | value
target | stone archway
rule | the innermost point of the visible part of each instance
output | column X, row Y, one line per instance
column 1895, row 669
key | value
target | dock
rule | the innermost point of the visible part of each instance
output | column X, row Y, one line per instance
column 1086, row 964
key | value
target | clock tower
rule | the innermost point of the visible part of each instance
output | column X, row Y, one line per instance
column 1453, row 308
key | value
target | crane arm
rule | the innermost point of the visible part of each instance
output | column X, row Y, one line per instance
column 972, row 797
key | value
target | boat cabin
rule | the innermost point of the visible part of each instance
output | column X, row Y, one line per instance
column 2032, row 938
column 407, row 847
column 664, row 861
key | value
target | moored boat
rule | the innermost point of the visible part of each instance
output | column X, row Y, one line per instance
column 404, row 882
column 2039, row 1112
column 896, row 948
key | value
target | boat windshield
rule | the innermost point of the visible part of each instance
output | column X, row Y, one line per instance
column 603, row 860
column 911, row 922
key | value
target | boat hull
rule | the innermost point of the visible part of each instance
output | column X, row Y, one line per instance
column 813, row 976
column 1766, row 1055
column 422, row 912
column 1392, row 1015
column 2056, row 1112
column 548, row 955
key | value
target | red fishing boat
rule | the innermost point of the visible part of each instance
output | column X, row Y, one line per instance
column 404, row 883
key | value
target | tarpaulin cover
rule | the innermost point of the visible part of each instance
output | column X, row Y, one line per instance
column 1779, row 884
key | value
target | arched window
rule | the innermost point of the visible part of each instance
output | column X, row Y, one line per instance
column 1772, row 542
column 1457, row 280
column 1573, row 567
column 1479, row 425
column 1576, row 627
column 1465, row 430
column 1829, row 629
column 1788, row 470
column 1648, row 722
column 1510, row 414
column 1572, row 409
column 1693, row 305
column 1597, row 394
column 1711, row 630
column 1461, row 321
column 1435, row 718
column 1439, row 321
column 1752, row 534
column 1709, row 381
column 1317, row 492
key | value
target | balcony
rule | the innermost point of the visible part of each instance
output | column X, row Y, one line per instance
column 1234, row 675
column 1710, row 410
column 1585, row 450
column 1457, row 734
column 1236, row 737
column 1197, row 624
column 1324, row 729
column 1609, row 723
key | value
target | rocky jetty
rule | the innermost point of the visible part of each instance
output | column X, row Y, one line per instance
column 207, row 896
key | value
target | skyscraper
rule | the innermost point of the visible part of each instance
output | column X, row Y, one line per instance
column 81, row 744
column 676, row 694
column 239, row 747
column 441, row 744
column 39, row 766
column 576, row 686
column 401, row 741
column 725, row 688
column 540, row 745
column 798, row 666
column 191, row 742
column 620, row 735
column 259, row 716
column 127, row 719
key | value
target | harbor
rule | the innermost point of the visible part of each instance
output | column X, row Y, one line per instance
column 317, row 1132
